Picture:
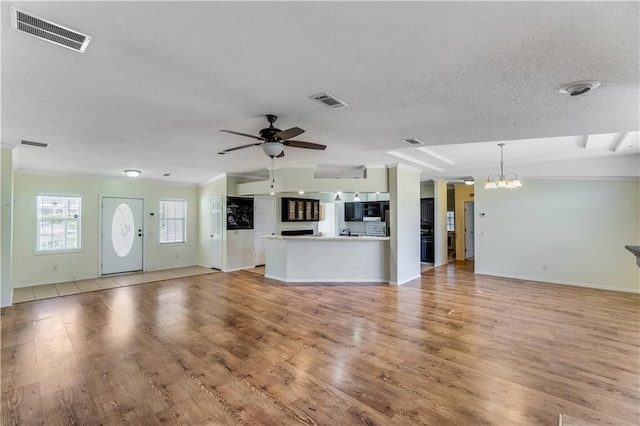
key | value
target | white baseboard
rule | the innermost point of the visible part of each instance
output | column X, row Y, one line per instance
column 561, row 282
column 405, row 281
column 240, row 268
column 164, row 268
column 331, row 280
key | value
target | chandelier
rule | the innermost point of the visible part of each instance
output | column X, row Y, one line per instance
column 509, row 180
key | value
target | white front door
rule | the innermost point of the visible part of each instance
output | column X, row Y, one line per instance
column 216, row 232
column 264, row 223
column 469, row 247
column 122, row 235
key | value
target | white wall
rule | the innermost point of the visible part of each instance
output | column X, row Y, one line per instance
column 6, row 226
column 576, row 229
column 294, row 179
column 441, row 252
column 427, row 190
column 217, row 187
column 404, row 209
column 31, row 269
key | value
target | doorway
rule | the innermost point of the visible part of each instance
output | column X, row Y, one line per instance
column 122, row 235
column 469, row 247
column 216, row 232
column 264, row 223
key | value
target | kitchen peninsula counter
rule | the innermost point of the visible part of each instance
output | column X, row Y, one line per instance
column 309, row 258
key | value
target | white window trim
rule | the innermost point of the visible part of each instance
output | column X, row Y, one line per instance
column 36, row 241
column 186, row 213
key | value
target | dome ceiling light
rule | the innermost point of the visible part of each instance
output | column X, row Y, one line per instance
column 578, row 88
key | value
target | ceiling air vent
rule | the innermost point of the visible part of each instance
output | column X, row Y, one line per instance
column 29, row 23
column 413, row 142
column 329, row 101
column 38, row 144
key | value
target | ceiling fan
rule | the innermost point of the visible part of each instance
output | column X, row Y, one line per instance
column 274, row 140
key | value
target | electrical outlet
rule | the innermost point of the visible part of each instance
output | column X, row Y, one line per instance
column 544, row 267
column 55, row 268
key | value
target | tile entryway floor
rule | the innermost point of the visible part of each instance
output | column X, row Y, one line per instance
column 26, row 294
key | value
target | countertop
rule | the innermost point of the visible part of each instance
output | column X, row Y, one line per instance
column 326, row 238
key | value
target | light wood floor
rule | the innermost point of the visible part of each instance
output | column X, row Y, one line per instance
column 450, row 348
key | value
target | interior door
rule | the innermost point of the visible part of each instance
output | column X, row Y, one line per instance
column 469, row 247
column 264, row 223
column 122, row 235
column 216, row 232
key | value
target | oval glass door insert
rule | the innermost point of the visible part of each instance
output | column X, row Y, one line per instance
column 122, row 230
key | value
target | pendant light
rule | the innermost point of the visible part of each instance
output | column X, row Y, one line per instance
column 356, row 198
column 508, row 180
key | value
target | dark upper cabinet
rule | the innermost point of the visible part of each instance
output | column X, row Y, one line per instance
column 427, row 210
column 300, row 210
column 356, row 211
column 353, row 212
column 371, row 209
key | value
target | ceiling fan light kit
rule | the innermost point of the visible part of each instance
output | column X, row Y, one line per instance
column 272, row 149
column 509, row 180
column 274, row 140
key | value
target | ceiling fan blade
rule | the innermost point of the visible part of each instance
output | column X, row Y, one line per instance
column 289, row 133
column 302, row 144
column 280, row 155
column 242, row 134
column 239, row 147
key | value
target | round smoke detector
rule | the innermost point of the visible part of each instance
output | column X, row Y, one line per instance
column 579, row 87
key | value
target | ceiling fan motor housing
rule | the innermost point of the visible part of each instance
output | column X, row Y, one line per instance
column 268, row 134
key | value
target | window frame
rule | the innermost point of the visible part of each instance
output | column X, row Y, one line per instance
column 37, row 235
column 451, row 223
column 161, row 219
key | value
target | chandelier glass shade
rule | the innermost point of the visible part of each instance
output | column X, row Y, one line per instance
column 502, row 180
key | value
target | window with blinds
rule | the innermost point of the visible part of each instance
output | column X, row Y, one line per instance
column 173, row 221
column 58, row 223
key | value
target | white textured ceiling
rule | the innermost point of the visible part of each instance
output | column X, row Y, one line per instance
column 160, row 79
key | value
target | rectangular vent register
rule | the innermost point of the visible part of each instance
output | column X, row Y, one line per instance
column 41, row 28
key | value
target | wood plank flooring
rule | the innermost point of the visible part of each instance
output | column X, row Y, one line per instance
column 451, row 348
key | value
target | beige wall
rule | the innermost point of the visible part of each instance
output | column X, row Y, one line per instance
column 32, row 269
column 462, row 193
